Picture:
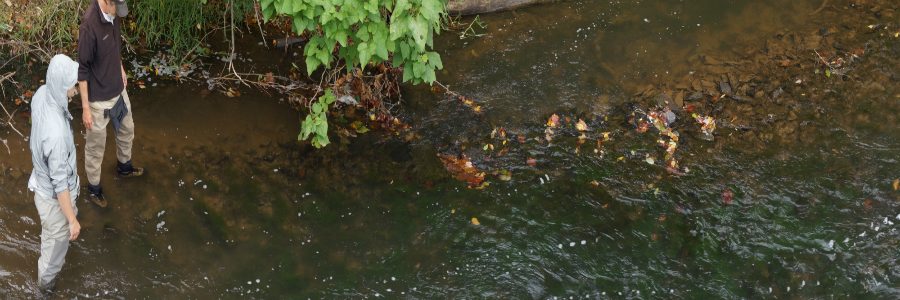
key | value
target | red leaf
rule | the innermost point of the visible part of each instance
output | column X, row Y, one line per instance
column 727, row 195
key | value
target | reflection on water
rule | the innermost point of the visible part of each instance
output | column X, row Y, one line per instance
column 233, row 207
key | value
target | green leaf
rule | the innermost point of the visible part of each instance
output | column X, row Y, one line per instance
column 429, row 76
column 419, row 31
column 435, row 60
column 312, row 63
column 322, row 132
column 300, row 24
column 364, row 53
column 341, row 37
column 381, row 49
column 317, row 108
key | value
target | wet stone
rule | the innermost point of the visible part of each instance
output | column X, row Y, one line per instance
column 696, row 85
column 695, row 96
column 725, row 88
column 679, row 99
column 709, row 60
column 15, row 174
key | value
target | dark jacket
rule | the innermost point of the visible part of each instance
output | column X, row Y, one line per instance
column 100, row 54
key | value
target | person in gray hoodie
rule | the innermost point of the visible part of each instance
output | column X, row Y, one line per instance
column 54, row 179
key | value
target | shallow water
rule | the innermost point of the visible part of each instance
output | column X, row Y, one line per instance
column 234, row 207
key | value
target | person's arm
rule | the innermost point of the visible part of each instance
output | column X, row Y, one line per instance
column 124, row 77
column 86, row 45
column 57, row 164
column 85, row 106
column 65, row 204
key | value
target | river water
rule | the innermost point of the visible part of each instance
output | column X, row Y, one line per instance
column 234, row 207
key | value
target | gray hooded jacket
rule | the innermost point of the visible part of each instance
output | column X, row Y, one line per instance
column 52, row 144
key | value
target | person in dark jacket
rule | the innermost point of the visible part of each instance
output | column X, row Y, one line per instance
column 102, row 83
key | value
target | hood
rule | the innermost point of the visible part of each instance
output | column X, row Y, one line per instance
column 62, row 74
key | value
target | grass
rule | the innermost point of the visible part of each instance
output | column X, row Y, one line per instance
column 41, row 28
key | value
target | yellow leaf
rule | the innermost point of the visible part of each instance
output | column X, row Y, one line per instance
column 897, row 184
column 581, row 126
column 475, row 221
column 452, row 211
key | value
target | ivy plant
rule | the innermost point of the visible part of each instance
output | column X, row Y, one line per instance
column 316, row 122
column 363, row 32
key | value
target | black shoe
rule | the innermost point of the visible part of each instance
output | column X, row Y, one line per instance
column 126, row 170
column 95, row 194
column 46, row 290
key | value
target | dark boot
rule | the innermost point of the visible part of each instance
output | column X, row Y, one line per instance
column 95, row 194
column 126, row 170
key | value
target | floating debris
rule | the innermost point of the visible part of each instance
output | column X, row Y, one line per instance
column 462, row 169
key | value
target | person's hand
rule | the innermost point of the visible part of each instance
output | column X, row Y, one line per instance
column 124, row 78
column 87, row 119
column 74, row 230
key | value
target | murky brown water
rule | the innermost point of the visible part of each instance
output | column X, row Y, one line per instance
column 233, row 207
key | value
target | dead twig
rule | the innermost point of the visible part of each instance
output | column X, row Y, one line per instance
column 821, row 7
column 233, row 56
column 9, row 121
column 827, row 64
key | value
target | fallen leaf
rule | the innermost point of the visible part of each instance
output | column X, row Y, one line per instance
column 452, row 211
column 897, row 184
column 553, row 121
column 475, row 221
column 595, row 183
column 643, row 126
column 727, row 196
column 19, row 102
column 462, row 169
column 581, row 126
column 521, row 138
column 231, row 93
column 531, row 161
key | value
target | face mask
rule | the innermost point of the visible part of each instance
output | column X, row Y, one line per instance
column 109, row 18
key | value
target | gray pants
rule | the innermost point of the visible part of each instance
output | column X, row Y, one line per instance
column 54, row 238
column 95, row 138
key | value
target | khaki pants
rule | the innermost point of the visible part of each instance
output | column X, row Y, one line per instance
column 95, row 138
column 54, row 238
